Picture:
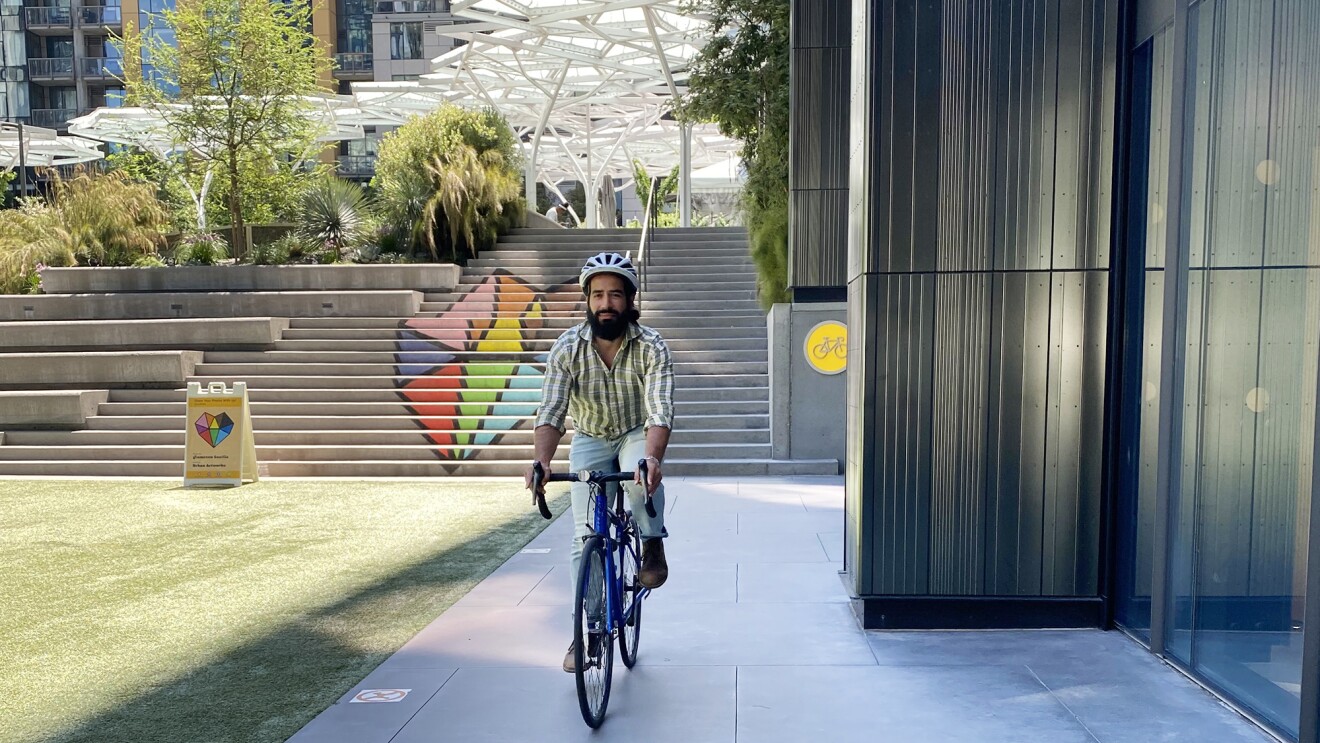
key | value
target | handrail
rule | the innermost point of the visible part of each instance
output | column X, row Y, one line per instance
column 645, row 242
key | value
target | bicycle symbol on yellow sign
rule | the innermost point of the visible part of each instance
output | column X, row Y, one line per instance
column 826, row 347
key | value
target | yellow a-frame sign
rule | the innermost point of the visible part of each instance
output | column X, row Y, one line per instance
column 219, row 449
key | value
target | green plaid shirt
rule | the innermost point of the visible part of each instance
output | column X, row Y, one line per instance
column 606, row 403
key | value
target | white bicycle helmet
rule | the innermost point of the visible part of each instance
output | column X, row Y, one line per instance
column 608, row 263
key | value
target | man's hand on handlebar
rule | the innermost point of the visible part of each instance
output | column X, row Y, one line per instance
column 545, row 475
column 653, row 475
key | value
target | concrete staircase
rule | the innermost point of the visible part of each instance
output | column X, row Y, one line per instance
column 452, row 390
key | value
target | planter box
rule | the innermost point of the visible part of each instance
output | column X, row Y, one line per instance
column 418, row 276
column 135, row 305
column 200, row 334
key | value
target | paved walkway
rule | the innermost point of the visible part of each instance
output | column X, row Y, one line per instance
column 752, row 641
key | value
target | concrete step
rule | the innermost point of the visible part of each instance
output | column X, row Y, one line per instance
column 570, row 265
column 143, row 410
column 652, row 296
column 395, row 469
column 267, row 435
column 385, row 339
column 392, row 382
column 535, row 354
column 568, row 309
column 732, row 248
column 176, row 424
column 374, row 452
column 658, row 284
column 248, row 370
column 666, row 322
column 682, row 394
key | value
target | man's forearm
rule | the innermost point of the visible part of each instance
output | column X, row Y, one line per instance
column 657, row 440
column 546, row 442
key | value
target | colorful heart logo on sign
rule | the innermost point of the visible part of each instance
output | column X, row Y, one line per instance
column 214, row 429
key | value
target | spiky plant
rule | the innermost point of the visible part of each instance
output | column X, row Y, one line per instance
column 336, row 212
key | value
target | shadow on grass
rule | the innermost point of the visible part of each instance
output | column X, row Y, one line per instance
column 270, row 688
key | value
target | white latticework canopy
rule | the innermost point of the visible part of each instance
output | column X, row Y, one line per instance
column 39, row 147
column 150, row 130
column 588, row 85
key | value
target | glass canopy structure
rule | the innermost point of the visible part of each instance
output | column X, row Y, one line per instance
column 587, row 85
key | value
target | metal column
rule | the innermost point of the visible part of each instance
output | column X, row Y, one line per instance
column 685, row 175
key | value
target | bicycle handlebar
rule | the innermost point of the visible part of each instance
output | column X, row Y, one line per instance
column 596, row 476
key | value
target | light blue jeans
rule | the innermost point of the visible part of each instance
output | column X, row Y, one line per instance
column 587, row 453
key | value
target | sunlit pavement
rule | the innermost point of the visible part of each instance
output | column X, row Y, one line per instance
column 752, row 640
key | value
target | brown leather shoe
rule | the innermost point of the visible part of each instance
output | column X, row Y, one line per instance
column 593, row 650
column 654, row 570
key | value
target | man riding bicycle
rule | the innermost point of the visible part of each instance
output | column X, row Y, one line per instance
column 616, row 378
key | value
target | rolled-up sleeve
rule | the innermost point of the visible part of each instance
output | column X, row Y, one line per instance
column 660, row 386
column 555, row 390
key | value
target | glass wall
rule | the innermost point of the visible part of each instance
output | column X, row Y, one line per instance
column 1251, row 213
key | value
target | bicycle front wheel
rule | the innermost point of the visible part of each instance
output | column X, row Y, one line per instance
column 630, row 631
column 592, row 644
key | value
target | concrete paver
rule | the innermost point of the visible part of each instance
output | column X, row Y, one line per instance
column 753, row 641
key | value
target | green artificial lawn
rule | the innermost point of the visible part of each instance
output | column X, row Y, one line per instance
column 140, row 611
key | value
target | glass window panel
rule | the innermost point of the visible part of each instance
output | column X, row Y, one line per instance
column 406, row 40
column 1253, row 339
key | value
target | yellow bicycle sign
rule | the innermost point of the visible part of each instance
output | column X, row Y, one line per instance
column 826, row 347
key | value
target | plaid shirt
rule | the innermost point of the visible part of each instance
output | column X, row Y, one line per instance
column 608, row 402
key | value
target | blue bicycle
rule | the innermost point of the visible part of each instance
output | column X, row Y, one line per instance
column 608, row 600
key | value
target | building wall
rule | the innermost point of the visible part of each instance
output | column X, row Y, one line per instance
column 806, row 406
column 818, row 145
column 978, row 258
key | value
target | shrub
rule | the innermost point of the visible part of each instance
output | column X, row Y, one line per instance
column 277, row 251
column 88, row 219
column 450, row 182
column 148, row 261
column 336, row 212
column 201, row 249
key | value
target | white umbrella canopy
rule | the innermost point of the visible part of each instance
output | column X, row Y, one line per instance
column 40, row 147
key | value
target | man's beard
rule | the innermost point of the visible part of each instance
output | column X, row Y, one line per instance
column 610, row 329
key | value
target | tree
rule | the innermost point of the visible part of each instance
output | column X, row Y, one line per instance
column 232, row 91
column 450, row 182
column 740, row 81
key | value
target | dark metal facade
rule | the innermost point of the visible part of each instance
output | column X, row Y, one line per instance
column 978, row 261
column 818, row 145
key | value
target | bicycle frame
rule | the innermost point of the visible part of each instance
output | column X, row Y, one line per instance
column 610, row 526
column 607, row 524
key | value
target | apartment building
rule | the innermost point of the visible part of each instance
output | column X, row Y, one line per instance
column 57, row 61
column 384, row 40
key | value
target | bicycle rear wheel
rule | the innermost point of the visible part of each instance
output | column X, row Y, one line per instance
column 593, row 646
column 630, row 631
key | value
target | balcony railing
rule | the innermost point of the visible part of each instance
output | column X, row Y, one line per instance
column 106, row 16
column 53, row 118
column 411, row 6
column 103, row 67
column 50, row 68
column 60, row 16
column 360, row 166
column 353, row 63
